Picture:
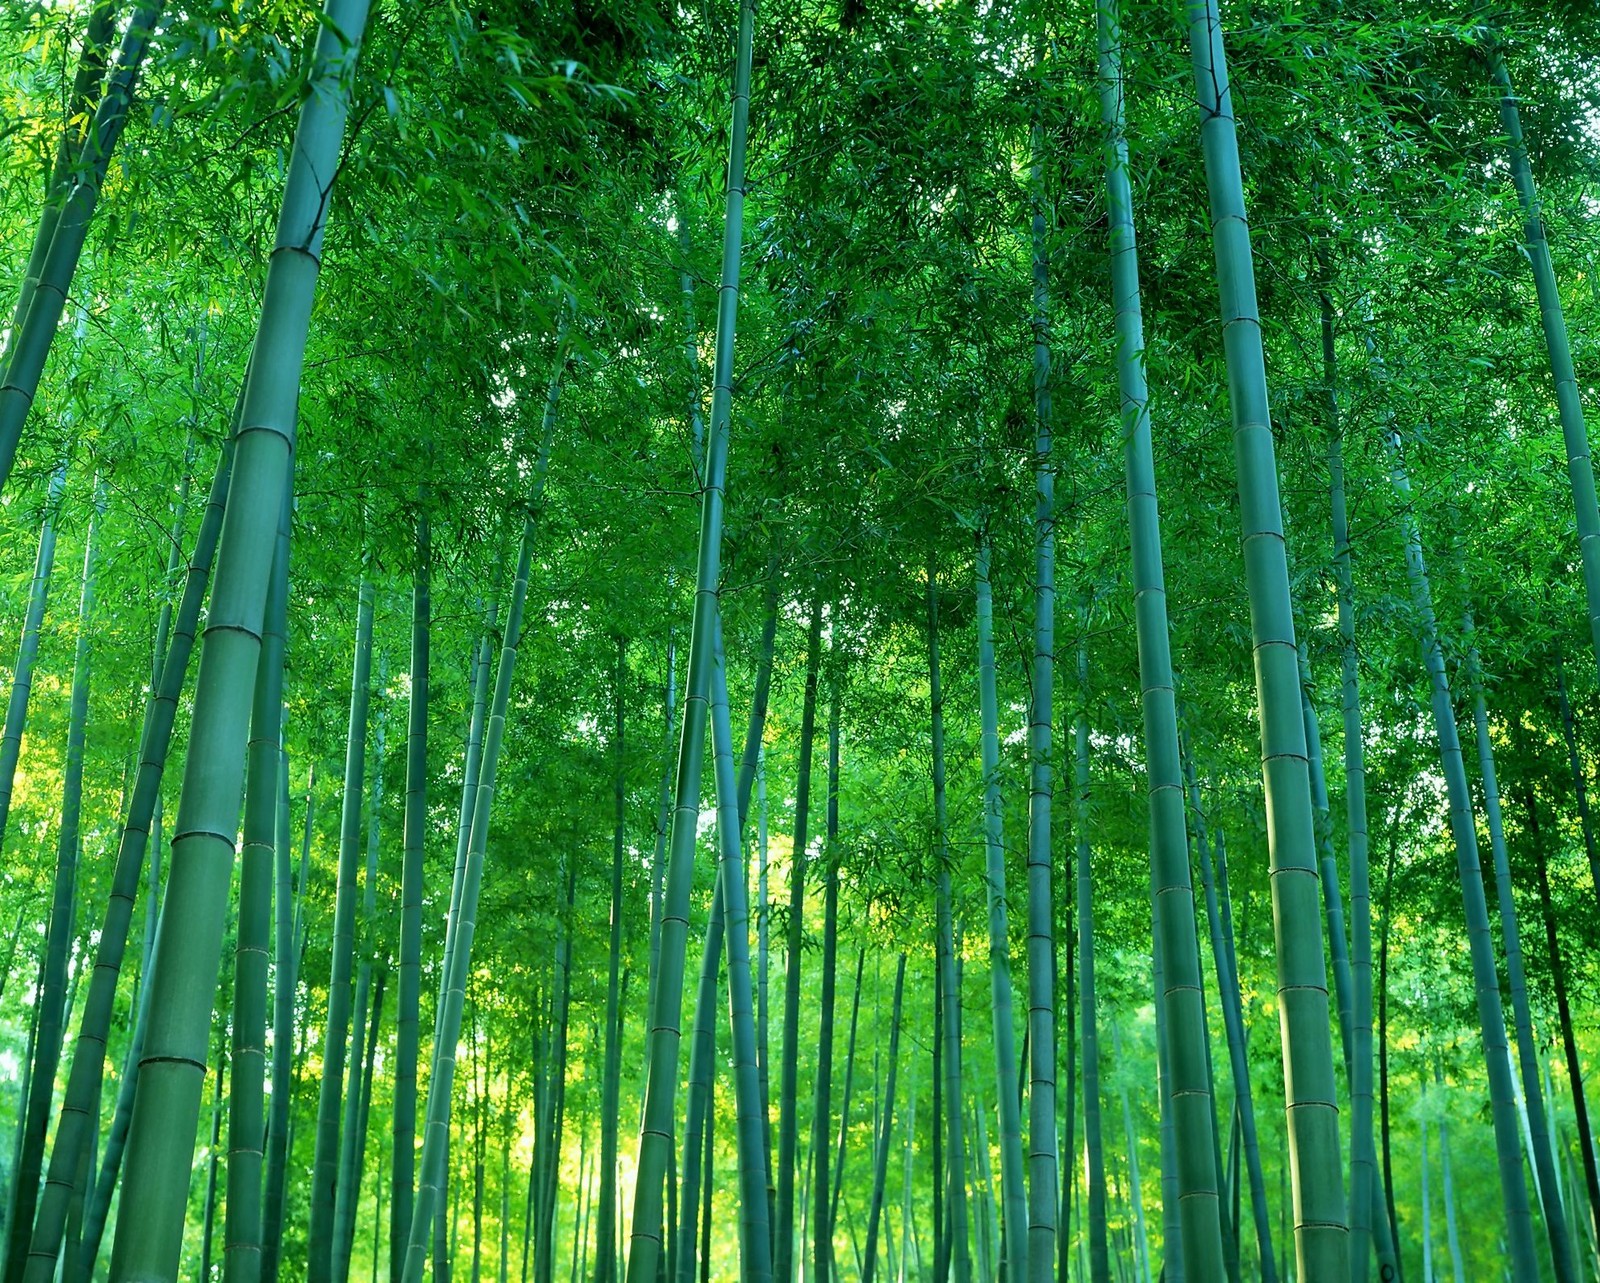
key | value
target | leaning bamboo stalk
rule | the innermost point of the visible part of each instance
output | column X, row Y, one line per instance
column 436, row 1134
column 188, row 953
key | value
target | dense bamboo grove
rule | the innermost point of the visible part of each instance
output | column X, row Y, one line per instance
column 704, row 642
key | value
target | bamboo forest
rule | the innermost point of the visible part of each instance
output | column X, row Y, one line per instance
column 799, row 641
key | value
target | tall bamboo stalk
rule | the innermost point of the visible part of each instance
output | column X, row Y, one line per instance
column 1546, row 1179
column 1043, row 1174
column 1233, row 1024
column 1491, row 1015
column 1094, row 1167
column 284, row 983
column 655, row 1139
column 61, row 935
column 1558, row 349
column 1369, row 1222
column 436, row 1136
column 30, row 344
column 1193, row 1116
column 788, row 1123
column 733, row 801
column 403, row 1157
column 1012, row 1189
column 885, row 1130
column 350, row 1147
column 172, row 1074
column 28, row 647
column 605, row 1257
column 1321, row 1236
column 948, row 1037
column 242, row 1222
column 321, row 1236
column 822, row 1186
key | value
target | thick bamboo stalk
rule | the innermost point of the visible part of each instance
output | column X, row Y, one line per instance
column 1322, row 1247
column 188, row 951
column 79, row 1119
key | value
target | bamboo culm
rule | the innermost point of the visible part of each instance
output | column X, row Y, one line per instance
column 172, row 1074
column 1193, row 1113
column 321, row 1234
column 408, row 1004
column 30, row 343
column 436, row 1136
column 880, row 1158
column 1491, row 1015
column 947, row 1076
column 655, row 1138
column 1013, row 1193
column 28, row 647
column 1562, row 1255
column 242, row 1221
column 1322, row 1247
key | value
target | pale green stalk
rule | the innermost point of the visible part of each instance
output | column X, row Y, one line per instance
column 1546, row 1178
column 1013, row 1194
column 30, row 343
column 949, row 977
column 661, row 1089
column 189, row 946
column 1322, row 1247
column 1187, row 1056
column 62, row 933
column 321, row 1234
column 351, row 1149
column 788, row 1088
column 28, row 648
column 880, row 1158
column 1558, row 348
column 436, row 1135
column 283, row 1005
column 403, row 1161
column 1043, row 1174
column 79, row 1120
column 1094, row 1151
column 1233, row 1023
column 1463, row 828
column 242, row 1223
column 733, row 800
